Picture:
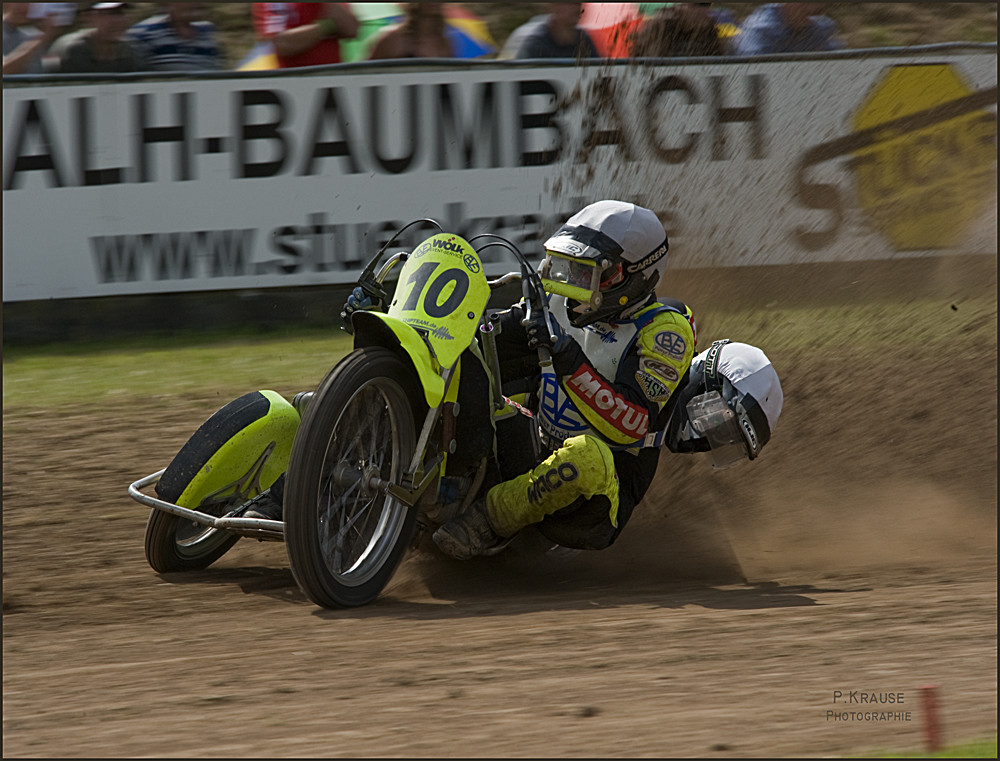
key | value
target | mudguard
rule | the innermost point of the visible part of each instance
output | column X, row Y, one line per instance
column 379, row 329
column 248, row 442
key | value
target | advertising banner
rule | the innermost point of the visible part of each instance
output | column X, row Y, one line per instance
column 236, row 181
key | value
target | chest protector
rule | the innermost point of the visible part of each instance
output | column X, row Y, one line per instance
column 605, row 347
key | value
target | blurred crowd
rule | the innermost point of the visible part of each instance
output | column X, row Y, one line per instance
column 178, row 37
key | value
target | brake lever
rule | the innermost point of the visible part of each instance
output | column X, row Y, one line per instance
column 534, row 299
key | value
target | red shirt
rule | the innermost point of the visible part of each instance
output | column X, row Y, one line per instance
column 271, row 18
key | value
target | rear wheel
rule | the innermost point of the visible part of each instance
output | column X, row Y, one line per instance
column 236, row 453
column 344, row 539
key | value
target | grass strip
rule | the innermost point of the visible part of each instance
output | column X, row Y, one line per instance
column 98, row 374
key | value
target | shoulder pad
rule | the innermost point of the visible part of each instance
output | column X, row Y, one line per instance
column 649, row 315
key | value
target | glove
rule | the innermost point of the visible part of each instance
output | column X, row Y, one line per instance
column 360, row 299
column 540, row 334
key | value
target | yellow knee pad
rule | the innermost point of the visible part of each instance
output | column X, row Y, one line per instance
column 583, row 466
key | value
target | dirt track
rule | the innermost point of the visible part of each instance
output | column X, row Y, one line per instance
column 866, row 533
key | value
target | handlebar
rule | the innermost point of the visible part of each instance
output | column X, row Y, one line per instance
column 531, row 283
column 503, row 280
column 531, row 287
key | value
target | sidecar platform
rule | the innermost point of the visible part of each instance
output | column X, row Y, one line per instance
column 256, row 528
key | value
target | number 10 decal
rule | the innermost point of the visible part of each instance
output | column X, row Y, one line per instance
column 432, row 294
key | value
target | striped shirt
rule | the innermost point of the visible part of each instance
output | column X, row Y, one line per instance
column 160, row 48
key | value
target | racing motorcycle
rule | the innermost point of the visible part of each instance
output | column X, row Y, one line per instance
column 399, row 437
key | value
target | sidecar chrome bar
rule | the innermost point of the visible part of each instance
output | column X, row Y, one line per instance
column 275, row 530
column 247, row 526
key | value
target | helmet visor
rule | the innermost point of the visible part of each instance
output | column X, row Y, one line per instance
column 714, row 420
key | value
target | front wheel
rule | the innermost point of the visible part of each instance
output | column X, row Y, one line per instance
column 345, row 539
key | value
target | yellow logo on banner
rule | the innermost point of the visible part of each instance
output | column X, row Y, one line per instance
column 931, row 167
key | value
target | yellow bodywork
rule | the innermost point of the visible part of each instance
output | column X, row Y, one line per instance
column 414, row 346
column 241, row 461
column 435, row 310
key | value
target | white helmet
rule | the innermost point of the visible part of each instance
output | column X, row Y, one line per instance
column 608, row 257
column 740, row 402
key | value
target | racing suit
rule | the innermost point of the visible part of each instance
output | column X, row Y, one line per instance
column 602, row 414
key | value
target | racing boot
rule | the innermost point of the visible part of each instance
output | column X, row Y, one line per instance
column 470, row 534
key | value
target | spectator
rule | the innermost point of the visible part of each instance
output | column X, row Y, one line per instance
column 101, row 48
column 181, row 39
column 420, row 35
column 55, row 54
column 553, row 35
column 787, row 28
column 304, row 34
column 25, row 40
column 679, row 29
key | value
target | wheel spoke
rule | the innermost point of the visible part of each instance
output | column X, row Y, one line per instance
column 340, row 519
column 383, row 420
column 356, row 440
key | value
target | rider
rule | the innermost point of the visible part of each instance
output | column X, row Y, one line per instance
column 618, row 356
column 728, row 407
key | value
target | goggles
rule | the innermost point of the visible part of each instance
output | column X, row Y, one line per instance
column 572, row 277
column 715, row 420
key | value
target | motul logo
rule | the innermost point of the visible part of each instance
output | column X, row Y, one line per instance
column 623, row 415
